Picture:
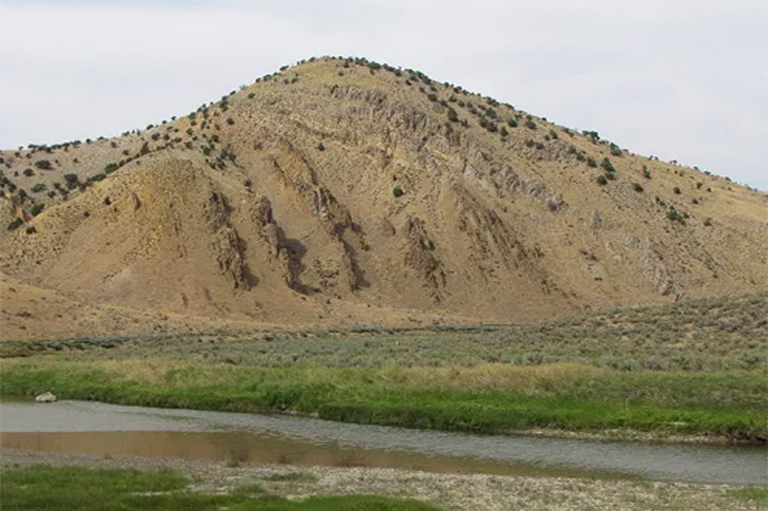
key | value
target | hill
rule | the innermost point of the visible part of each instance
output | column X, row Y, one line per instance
column 343, row 192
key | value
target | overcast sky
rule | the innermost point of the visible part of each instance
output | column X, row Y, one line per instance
column 679, row 79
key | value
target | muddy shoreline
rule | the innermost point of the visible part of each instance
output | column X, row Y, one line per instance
column 450, row 491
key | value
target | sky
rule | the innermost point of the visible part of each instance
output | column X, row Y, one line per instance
column 682, row 80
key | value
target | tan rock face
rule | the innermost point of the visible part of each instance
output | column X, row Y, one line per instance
column 277, row 205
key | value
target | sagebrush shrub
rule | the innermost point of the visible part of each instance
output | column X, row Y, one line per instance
column 15, row 224
column 675, row 215
column 607, row 165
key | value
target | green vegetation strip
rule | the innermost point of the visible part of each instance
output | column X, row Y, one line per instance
column 488, row 398
column 753, row 493
column 67, row 488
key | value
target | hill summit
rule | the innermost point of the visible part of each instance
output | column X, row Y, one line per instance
column 340, row 191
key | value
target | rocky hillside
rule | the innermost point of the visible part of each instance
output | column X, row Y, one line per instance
column 340, row 191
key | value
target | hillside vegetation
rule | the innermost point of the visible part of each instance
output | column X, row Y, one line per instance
column 341, row 192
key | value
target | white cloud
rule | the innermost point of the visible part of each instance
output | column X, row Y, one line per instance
column 672, row 78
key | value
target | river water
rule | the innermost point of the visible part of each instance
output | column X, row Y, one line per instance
column 98, row 428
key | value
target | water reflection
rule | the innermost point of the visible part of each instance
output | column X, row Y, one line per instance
column 120, row 430
column 236, row 448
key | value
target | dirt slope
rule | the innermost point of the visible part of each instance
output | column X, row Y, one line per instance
column 341, row 192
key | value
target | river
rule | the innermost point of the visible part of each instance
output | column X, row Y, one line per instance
column 98, row 428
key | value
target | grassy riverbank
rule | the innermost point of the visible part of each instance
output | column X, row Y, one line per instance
column 490, row 398
column 697, row 368
column 40, row 488
column 460, row 492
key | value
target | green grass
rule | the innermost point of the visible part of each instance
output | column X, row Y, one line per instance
column 68, row 488
column 754, row 493
column 492, row 398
